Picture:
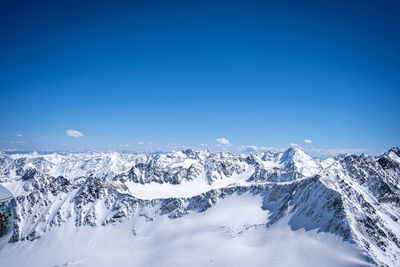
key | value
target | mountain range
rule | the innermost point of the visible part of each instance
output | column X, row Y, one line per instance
column 233, row 208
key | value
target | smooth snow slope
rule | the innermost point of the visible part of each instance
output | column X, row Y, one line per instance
column 215, row 237
column 199, row 186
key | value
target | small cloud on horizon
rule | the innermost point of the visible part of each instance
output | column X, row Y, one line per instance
column 222, row 141
column 18, row 135
column 74, row 133
column 151, row 143
column 307, row 141
column 140, row 143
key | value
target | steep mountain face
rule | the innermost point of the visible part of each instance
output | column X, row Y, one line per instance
column 354, row 197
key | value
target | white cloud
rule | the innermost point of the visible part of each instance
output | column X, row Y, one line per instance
column 74, row 133
column 307, row 141
column 18, row 135
column 203, row 145
column 140, row 143
column 223, row 141
column 151, row 143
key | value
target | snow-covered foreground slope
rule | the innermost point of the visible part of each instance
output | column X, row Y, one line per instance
column 216, row 237
column 201, row 208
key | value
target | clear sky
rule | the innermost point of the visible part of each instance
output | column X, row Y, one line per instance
column 168, row 74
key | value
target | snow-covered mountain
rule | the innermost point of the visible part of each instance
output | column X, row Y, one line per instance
column 354, row 200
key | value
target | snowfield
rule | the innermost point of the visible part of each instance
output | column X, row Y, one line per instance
column 198, row 208
column 154, row 190
column 217, row 237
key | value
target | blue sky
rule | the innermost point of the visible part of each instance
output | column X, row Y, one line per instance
column 176, row 74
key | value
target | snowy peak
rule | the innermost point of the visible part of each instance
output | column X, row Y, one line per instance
column 394, row 154
column 295, row 159
column 294, row 155
column 390, row 162
column 395, row 150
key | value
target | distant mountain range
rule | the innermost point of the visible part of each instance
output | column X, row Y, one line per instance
column 355, row 198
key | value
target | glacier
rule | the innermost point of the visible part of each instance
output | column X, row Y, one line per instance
column 196, row 208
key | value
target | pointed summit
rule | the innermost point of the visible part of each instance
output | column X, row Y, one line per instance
column 294, row 154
